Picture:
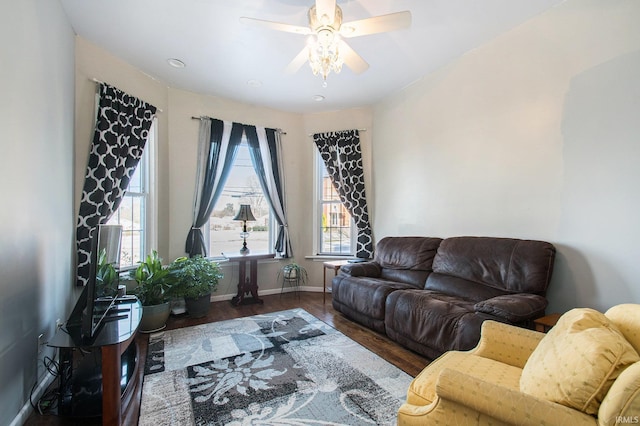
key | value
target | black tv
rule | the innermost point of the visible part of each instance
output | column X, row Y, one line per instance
column 97, row 297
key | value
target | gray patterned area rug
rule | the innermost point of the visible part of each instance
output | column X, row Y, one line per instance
column 283, row 368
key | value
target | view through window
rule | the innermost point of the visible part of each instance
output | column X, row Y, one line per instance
column 336, row 227
column 242, row 187
column 133, row 212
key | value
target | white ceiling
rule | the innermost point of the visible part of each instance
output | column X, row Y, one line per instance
column 222, row 55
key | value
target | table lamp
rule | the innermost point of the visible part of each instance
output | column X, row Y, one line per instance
column 244, row 214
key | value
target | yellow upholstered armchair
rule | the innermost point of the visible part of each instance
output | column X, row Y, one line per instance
column 585, row 371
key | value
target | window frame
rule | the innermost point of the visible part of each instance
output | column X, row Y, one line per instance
column 272, row 224
column 319, row 168
column 147, row 166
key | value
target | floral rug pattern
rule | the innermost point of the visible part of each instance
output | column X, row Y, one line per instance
column 285, row 368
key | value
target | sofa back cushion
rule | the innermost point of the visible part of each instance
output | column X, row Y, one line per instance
column 406, row 259
column 578, row 360
column 462, row 288
column 623, row 399
column 506, row 265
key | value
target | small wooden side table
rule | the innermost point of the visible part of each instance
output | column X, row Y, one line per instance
column 545, row 323
column 335, row 266
column 246, row 286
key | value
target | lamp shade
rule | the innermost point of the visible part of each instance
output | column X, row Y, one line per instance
column 244, row 213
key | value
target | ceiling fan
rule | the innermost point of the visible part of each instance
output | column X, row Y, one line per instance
column 325, row 49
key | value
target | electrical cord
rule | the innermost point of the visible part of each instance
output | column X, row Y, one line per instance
column 49, row 399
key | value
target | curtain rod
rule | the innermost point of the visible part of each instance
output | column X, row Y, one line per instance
column 102, row 82
column 282, row 132
column 360, row 130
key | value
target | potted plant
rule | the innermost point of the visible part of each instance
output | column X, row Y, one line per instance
column 106, row 276
column 294, row 275
column 196, row 278
column 154, row 284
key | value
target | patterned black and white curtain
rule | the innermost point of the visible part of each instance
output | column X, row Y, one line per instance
column 265, row 151
column 343, row 158
column 121, row 131
column 218, row 143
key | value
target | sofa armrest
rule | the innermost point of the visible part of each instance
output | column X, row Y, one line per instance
column 506, row 343
column 504, row 404
column 515, row 308
column 361, row 269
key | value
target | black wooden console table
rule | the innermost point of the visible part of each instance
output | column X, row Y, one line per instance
column 118, row 352
column 248, row 286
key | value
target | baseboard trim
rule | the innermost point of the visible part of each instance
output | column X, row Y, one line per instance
column 27, row 409
column 269, row 292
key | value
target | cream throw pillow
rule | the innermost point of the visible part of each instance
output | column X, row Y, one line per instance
column 576, row 363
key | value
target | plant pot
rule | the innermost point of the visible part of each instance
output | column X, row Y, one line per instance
column 198, row 307
column 291, row 274
column 154, row 317
column 178, row 306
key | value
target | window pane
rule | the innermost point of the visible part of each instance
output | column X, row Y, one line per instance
column 136, row 182
column 336, row 233
column 131, row 215
column 242, row 187
column 336, row 225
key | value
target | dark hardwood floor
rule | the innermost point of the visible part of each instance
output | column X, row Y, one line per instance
column 404, row 359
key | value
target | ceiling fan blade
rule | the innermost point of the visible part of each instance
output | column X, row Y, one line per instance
column 278, row 26
column 326, row 7
column 352, row 59
column 377, row 24
column 298, row 61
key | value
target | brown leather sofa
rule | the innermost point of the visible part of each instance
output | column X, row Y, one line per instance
column 432, row 295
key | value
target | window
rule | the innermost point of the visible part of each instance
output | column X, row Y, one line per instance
column 136, row 211
column 242, row 187
column 336, row 230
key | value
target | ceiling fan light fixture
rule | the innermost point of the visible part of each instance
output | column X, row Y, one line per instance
column 325, row 50
column 317, row 22
column 324, row 54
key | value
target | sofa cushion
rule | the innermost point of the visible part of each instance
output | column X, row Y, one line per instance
column 623, row 399
column 363, row 299
column 510, row 265
column 361, row 269
column 432, row 323
column 626, row 316
column 459, row 287
column 406, row 259
column 576, row 363
column 515, row 308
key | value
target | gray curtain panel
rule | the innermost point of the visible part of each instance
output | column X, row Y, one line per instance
column 264, row 148
column 218, row 143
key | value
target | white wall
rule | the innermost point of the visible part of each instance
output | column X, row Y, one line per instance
column 36, row 184
column 533, row 135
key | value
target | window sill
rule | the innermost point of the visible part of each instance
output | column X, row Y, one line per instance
column 325, row 257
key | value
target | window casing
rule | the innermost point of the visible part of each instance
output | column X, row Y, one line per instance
column 242, row 187
column 335, row 229
column 137, row 211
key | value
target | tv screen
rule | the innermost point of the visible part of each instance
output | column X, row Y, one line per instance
column 101, row 290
